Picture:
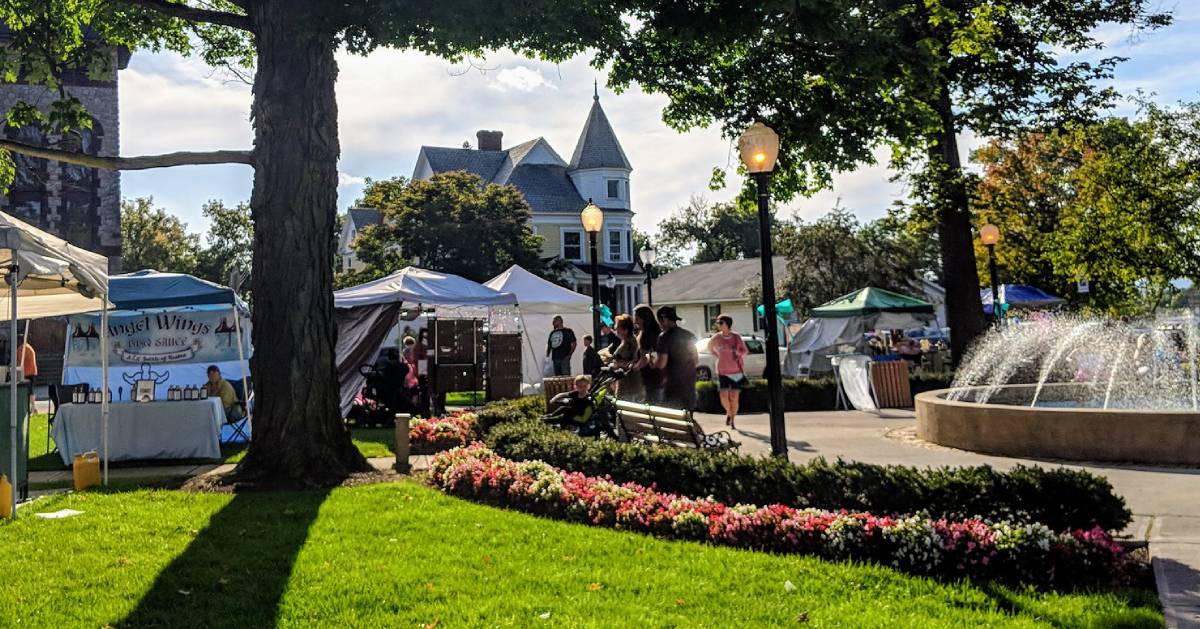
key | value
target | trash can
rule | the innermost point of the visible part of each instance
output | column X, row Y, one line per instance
column 20, row 477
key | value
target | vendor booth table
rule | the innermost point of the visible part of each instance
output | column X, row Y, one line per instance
column 142, row 430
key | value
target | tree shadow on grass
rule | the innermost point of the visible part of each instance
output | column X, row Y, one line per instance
column 235, row 570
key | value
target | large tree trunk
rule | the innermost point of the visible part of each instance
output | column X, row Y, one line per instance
column 298, row 436
column 964, row 310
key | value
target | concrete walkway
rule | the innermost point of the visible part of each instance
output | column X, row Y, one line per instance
column 1165, row 500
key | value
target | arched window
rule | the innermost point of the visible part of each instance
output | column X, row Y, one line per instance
column 79, row 207
column 27, row 195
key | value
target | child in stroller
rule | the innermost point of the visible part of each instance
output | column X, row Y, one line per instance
column 588, row 408
column 385, row 393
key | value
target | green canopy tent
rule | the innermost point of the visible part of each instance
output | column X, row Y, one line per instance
column 869, row 300
column 837, row 325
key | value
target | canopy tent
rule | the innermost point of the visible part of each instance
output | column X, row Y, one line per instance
column 190, row 307
column 419, row 286
column 366, row 312
column 838, row 326
column 867, row 301
column 153, row 289
column 1019, row 296
column 784, row 308
column 542, row 300
column 46, row 270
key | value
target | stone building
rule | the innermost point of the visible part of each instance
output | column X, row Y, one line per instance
column 81, row 205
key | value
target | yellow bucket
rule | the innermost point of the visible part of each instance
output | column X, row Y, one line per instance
column 86, row 470
column 5, row 497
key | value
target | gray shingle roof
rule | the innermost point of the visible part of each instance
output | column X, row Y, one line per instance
column 363, row 216
column 598, row 146
column 547, row 188
column 712, row 282
column 482, row 163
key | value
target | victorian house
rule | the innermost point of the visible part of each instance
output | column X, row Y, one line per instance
column 557, row 191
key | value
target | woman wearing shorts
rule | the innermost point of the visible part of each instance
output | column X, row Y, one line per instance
column 730, row 350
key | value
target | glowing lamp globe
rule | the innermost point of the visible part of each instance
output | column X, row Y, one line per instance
column 989, row 234
column 592, row 218
column 759, row 147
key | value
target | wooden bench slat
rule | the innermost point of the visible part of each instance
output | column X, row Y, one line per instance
column 668, row 426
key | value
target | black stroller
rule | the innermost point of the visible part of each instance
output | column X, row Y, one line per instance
column 383, row 395
column 598, row 418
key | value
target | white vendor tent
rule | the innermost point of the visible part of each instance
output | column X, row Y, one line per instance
column 46, row 276
column 366, row 312
column 541, row 300
column 838, row 326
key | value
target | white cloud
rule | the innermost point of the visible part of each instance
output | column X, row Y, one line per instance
column 346, row 179
column 520, row 79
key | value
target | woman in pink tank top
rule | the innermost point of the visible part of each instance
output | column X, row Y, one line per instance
column 730, row 350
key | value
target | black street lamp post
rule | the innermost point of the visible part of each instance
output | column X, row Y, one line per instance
column 592, row 218
column 649, row 256
column 989, row 235
column 759, row 147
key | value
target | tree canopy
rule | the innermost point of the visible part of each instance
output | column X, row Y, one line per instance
column 454, row 223
column 836, row 254
column 1115, row 202
column 839, row 78
column 715, row 231
column 154, row 239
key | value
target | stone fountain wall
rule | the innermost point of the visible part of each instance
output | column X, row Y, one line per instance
column 1076, row 434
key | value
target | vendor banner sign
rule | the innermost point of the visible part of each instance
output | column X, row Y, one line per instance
column 193, row 336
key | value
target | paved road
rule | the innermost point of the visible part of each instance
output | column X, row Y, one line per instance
column 1165, row 500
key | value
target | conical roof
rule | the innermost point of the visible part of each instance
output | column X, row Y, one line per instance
column 598, row 146
column 869, row 300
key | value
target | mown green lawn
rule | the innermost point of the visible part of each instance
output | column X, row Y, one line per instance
column 403, row 555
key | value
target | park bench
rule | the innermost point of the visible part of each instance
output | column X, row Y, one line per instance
column 553, row 385
column 669, row 426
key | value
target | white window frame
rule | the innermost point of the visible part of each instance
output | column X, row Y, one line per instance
column 608, row 250
column 562, row 244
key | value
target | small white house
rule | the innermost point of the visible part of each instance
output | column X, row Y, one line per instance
column 701, row 292
column 356, row 219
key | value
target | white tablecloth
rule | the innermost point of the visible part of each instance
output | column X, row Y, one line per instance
column 142, row 430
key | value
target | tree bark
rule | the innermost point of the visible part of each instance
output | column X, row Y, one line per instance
column 964, row 310
column 298, row 436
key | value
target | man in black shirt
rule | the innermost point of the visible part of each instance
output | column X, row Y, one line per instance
column 560, row 346
column 676, row 360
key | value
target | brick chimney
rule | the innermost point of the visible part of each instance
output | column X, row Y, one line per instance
column 488, row 140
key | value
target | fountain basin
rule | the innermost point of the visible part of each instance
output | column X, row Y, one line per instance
column 1062, row 428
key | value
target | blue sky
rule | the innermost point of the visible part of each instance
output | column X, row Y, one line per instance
column 390, row 103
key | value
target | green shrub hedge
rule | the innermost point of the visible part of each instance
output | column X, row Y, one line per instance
column 811, row 394
column 1059, row 498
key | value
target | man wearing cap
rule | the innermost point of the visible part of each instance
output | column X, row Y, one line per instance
column 676, row 360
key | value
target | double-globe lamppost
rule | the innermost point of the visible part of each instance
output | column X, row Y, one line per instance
column 648, row 257
column 989, row 235
column 759, row 148
column 592, row 218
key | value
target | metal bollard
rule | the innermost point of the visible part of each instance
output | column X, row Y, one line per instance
column 403, row 448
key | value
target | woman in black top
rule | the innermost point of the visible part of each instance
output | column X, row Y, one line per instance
column 647, row 339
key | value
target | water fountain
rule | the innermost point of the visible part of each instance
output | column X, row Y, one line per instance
column 1078, row 389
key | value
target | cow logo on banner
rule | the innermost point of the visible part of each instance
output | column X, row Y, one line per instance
column 155, row 339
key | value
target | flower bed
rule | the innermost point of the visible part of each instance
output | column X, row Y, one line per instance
column 427, row 436
column 1028, row 553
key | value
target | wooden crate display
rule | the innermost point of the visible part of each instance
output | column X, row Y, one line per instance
column 504, row 365
column 457, row 341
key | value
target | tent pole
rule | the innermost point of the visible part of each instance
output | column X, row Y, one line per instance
column 104, row 379
column 12, row 378
column 237, row 326
column 528, row 341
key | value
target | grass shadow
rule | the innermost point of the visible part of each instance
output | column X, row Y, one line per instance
column 1139, row 606
column 235, row 570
